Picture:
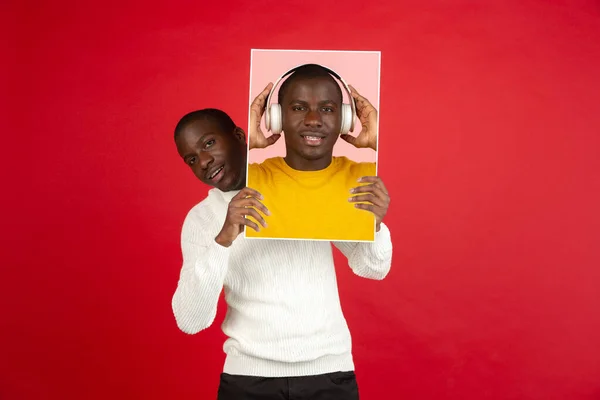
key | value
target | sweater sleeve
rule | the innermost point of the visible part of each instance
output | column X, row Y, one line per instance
column 201, row 278
column 371, row 260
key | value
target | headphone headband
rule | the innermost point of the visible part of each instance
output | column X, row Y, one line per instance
column 331, row 72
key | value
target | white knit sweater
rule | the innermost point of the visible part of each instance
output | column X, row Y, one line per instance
column 283, row 310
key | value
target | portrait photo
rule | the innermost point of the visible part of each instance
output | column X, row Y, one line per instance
column 312, row 135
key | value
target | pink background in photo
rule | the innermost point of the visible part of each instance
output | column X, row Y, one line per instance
column 359, row 69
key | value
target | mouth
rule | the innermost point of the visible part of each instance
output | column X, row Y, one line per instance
column 313, row 138
column 215, row 175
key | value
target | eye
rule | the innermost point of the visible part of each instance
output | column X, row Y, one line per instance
column 209, row 143
column 191, row 161
column 327, row 109
column 298, row 108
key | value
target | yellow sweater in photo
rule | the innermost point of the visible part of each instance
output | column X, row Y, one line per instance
column 312, row 204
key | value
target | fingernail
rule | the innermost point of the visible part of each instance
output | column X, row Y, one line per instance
column 350, row 198
column 360, row 179
column 352, row 190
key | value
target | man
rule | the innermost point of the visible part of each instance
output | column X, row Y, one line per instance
column 287, row 336
column 295, row 186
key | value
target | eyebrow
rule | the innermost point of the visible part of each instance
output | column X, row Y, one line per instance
column 205, row 135
column 185, row 157
column 306, row 102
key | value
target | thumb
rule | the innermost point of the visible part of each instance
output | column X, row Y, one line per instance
column 273, row 138
column 349, row 138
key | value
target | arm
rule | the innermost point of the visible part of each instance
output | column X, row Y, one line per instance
column 201, row 278
column 369, row 260
column 206, row 259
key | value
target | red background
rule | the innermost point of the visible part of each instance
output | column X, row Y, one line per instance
column 489, row 146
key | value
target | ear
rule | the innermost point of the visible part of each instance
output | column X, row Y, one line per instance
column 239, row 134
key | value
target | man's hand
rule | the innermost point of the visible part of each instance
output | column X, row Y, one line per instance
column 375, row 195
column 242, row 204
column 367, row 114
column 256, row 137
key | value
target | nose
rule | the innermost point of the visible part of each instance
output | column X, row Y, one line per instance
column 205, row 159
column 313, row 119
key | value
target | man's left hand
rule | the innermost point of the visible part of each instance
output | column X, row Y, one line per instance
column 373, row 197
column 367, row 114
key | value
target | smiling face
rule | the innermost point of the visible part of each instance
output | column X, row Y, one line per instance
column 311, row 111
column 217, row 158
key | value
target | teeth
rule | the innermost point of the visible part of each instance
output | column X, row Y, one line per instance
column 215, row 173
column 312, row 137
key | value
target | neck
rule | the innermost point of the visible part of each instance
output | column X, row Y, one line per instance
column 302, row 164
column 241, row 182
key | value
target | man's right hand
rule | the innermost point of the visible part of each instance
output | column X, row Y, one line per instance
column 244, row 203
column 256, row 137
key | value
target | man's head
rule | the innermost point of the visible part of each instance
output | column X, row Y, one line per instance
column 311, row 107
column 214, row 148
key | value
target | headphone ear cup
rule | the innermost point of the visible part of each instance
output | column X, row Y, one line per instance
column 346, row 119
column 275, row 114
column 268, row 118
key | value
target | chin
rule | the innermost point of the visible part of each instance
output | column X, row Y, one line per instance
column 229, row 183
column 314, row 155
column 224, row 186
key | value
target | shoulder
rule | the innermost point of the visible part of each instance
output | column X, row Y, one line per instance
column 256, row 170
column 206, row 212
column 267, row 164
column 354, row 167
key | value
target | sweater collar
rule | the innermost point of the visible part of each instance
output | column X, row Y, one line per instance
column 227, row 196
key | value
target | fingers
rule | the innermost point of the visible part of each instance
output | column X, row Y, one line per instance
column 363, row 106
column 370, row 188
column 247, row 222
column 372, row 194
column 378, row 211
column 238, row 215
column 374, row 197
column 376, row 180
column 247, row 192
column 265, row 95
column 267, row 89
column 244, row 204
column 250, row 202
column 357, row 96
column 354, row 92
column 258, row 105
column 368, row 197
column 254, row 214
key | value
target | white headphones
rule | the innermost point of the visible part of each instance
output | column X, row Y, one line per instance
column 273, row 115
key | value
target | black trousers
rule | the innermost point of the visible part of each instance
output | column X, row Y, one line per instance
column 334, row 386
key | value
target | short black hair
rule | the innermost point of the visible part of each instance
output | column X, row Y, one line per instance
column 222, row 119
column 307, row 71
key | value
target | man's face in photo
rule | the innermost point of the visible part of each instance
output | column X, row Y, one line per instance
column 311, row 112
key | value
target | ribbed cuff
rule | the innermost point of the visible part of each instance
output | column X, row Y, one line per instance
column 382, row 246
